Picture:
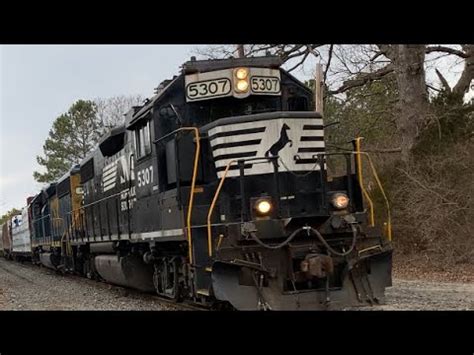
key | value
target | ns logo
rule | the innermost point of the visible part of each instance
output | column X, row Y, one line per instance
column 118, row 170
column 125, row 170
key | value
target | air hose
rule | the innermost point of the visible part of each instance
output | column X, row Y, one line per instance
column 331, row 250
column 278, row 246
column 320, row 237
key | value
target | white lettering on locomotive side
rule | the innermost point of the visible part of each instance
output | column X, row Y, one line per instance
column 145, row 176
column 127, row 199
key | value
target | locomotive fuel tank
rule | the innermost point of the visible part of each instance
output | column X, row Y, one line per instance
column 129, row 271
column 49, row 260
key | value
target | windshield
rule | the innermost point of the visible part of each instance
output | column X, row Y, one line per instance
column 203, row 112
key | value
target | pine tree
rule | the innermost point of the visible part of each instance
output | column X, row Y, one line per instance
column 8, row 215
column 73, row 135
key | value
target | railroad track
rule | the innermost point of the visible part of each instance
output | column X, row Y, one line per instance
column 183, row 305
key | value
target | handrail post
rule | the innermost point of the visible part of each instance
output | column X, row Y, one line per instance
column 322, row 177
column 349, row 179
column 193, row 186
column 276, row 182
column 243, row 212
column 117, row 215
column 213, row 203
column 387, row 204
column 361, row 183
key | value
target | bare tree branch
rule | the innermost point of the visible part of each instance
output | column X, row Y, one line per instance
column 363, row 79
column 111, row 110
column 425, row 187
column 375, row 56
column 433, row 88
column 443, row 80
column 331, row 47
column 286, row 52
column 388, row 150
column 299, row 63
column 292, row 53
column 446, row 50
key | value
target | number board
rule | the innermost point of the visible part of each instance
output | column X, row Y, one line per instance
column 220, row 83
column 207, row 89
column 205, row 86
column 265, row 84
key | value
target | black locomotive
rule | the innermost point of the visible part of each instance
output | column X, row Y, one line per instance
column 217, row 191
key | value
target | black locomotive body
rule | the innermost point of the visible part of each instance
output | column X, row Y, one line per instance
column 216, row 190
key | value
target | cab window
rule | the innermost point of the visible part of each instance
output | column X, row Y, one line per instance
column 143, row 140
column 297, row 103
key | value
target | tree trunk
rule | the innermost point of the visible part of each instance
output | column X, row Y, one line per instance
column 413, row 94
column 462, row 86
column 240, row 51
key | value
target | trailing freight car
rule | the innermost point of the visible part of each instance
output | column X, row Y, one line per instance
column 21, row 235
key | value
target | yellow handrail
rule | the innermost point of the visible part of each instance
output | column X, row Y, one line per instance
column 193, row 185
column 361, row 183
column 387, row 204
column 358, row 154
column 213, row 203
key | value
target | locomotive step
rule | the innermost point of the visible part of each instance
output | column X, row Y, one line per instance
column 203, row 292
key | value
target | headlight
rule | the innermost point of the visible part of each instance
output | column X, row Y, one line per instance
column 242, row 86
column 340, row 201
column 241, row 83
column 263, row 207
column 241, row 73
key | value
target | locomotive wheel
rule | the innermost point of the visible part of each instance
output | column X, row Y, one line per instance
column 166, row 278
column 89, row 269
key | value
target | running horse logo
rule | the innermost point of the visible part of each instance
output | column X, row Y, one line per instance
column 280, row 143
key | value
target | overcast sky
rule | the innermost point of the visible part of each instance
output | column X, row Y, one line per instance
column 38, row 83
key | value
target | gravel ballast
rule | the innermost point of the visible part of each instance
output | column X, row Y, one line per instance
column 29, row 287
